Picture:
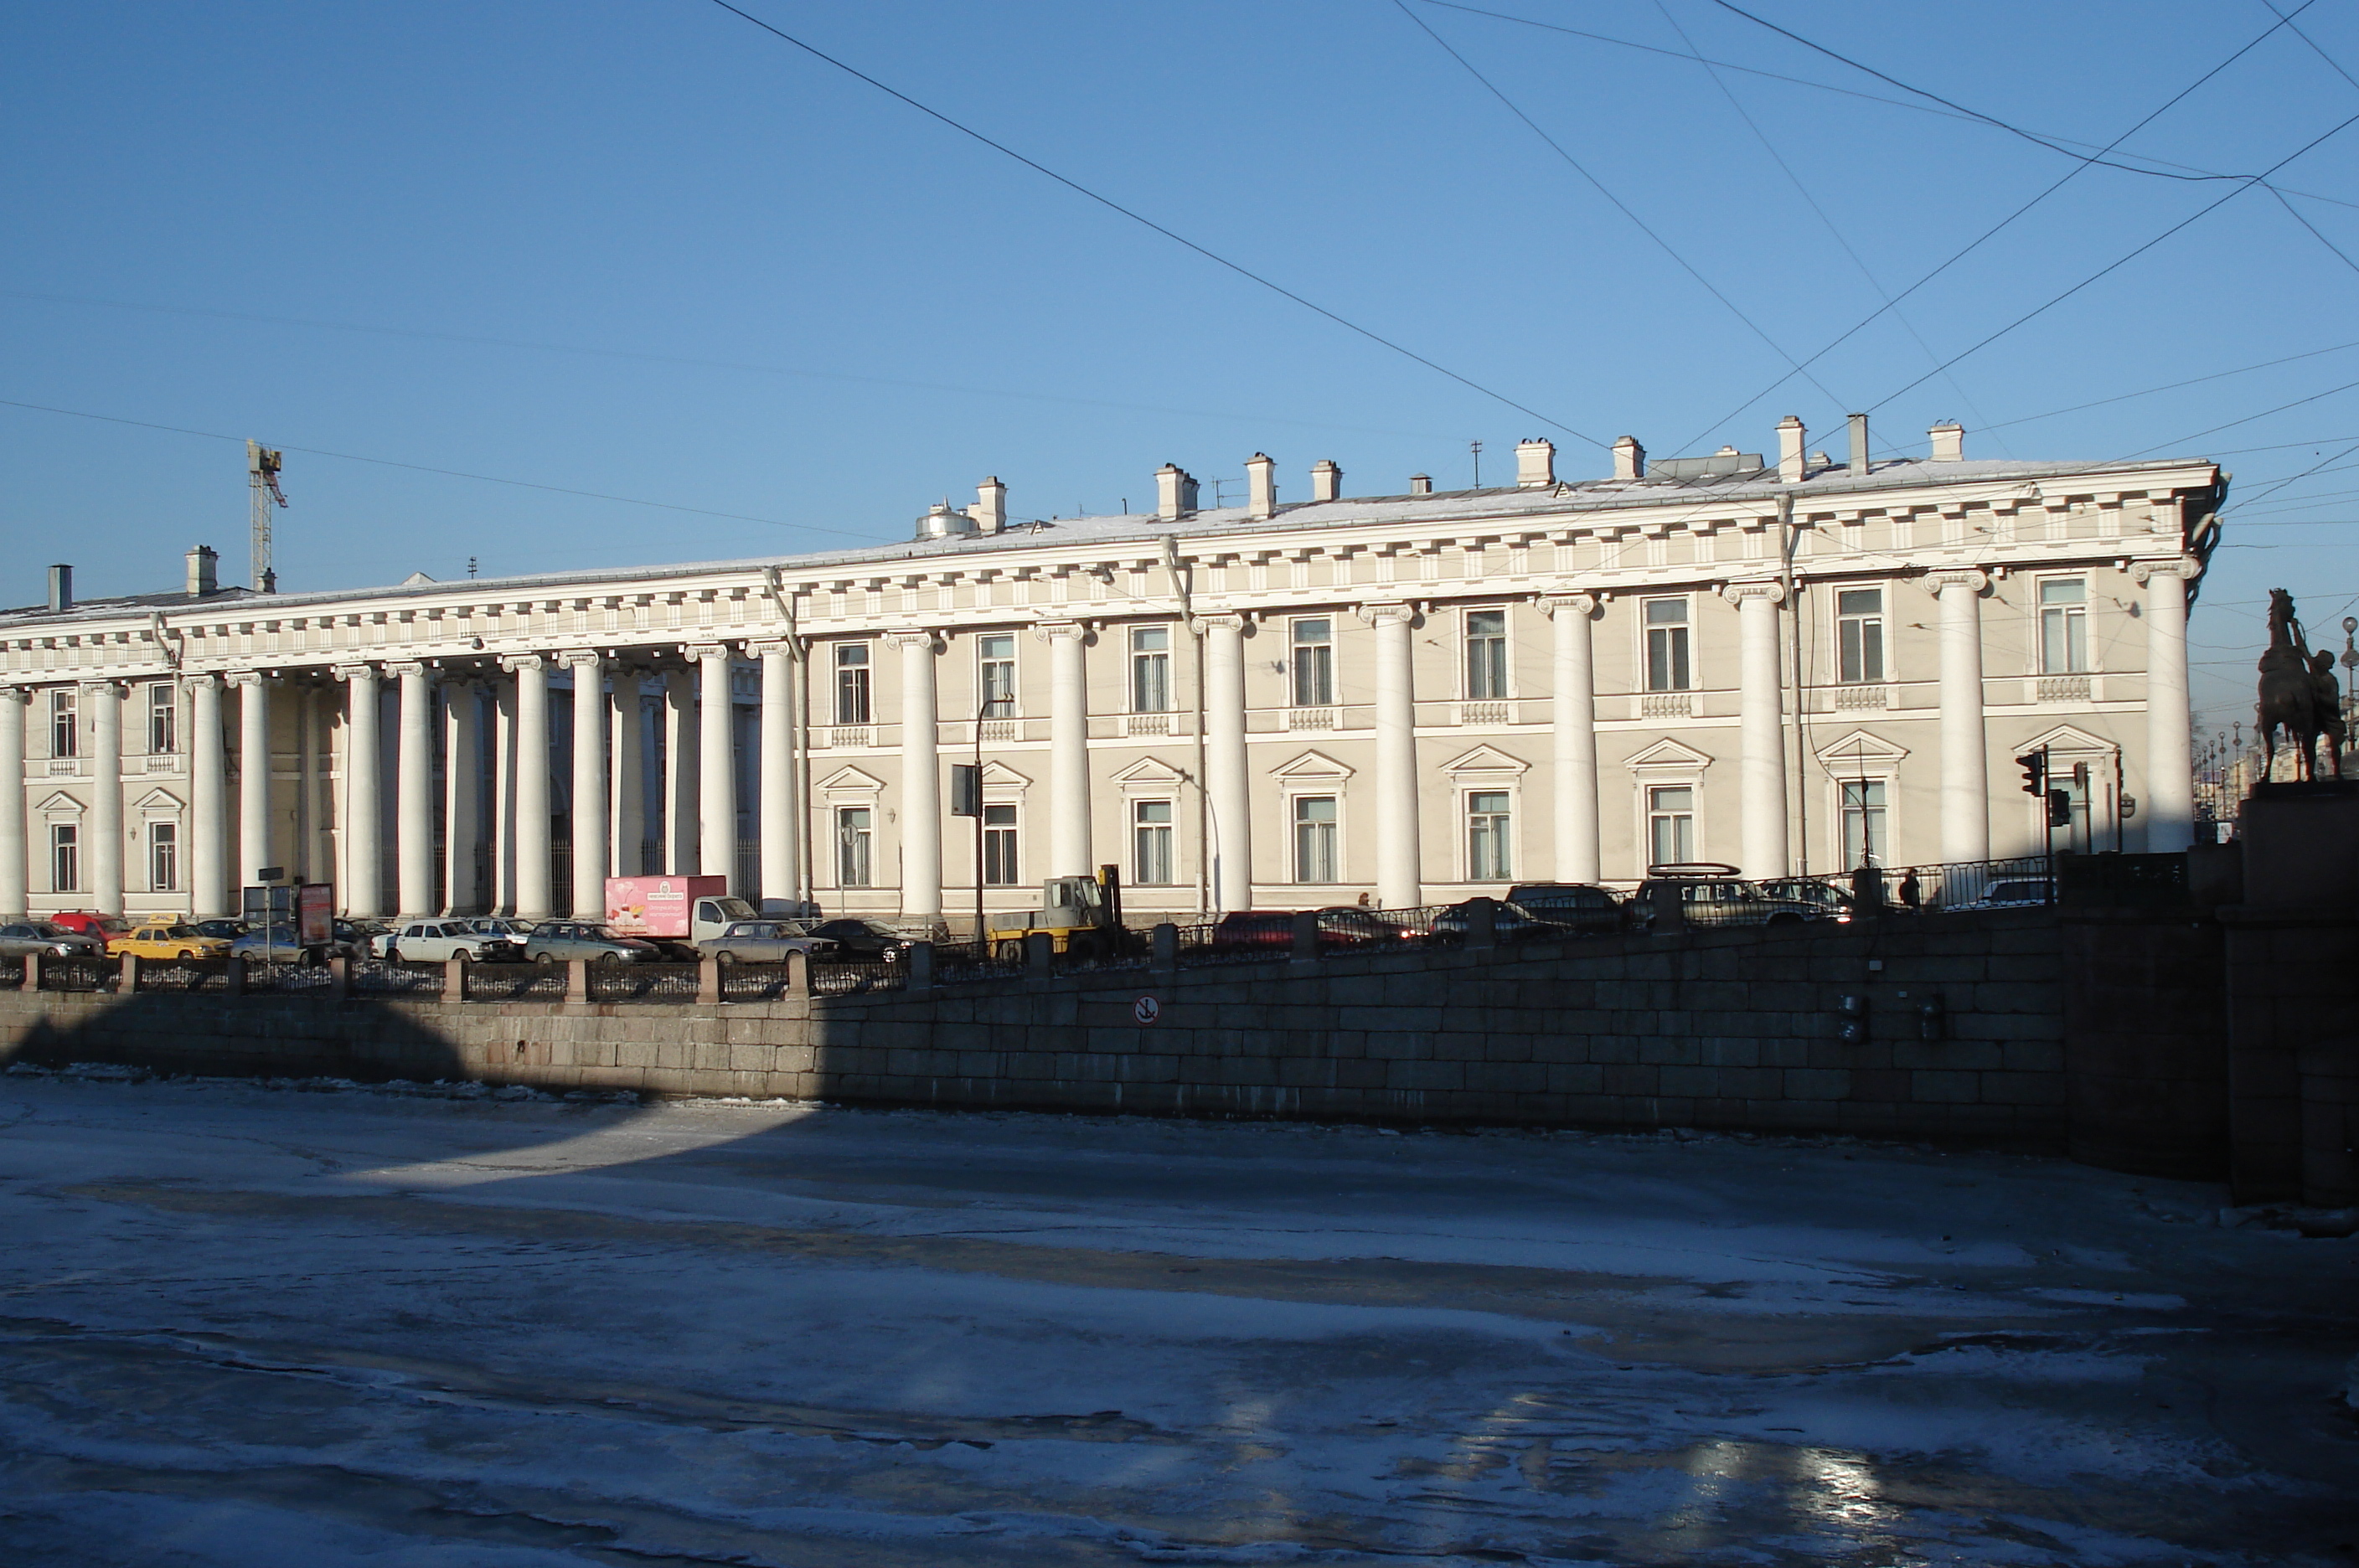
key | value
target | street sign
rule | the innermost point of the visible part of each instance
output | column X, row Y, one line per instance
column 966, row 789
column 1146, row 1009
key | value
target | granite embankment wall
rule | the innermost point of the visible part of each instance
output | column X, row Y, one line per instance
column 1708, row 1029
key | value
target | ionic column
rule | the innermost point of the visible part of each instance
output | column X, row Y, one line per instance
column 529, row 750
column 462, row 819
column 629, row 784
column 921, row 803
column 1761, row 775
column 1226, row 790
column 681, row 789
column 590, row 825
column 102, row 701
column 14, row 888
column 253, row 775
column 716, row 763
column 775, row 825
column 209, row 896
column 1398, row 860
column 1069, row 848
column 413, row 793
column 1965, row 766
column 502, row 824
column 363, row 824
column 1578, row 856
column 2169, row 809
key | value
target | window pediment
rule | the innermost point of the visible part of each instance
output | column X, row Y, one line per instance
column 1669, row 754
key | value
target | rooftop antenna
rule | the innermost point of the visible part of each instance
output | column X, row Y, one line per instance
column 262, row 478
column 1476, row 447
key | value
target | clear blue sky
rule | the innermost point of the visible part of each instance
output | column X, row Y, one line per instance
column 764, row 287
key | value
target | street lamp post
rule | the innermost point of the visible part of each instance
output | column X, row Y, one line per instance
column 966, row 799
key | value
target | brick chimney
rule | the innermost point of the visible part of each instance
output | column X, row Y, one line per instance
column 1859, row 464
column 1174, row 492
column 990, row 512
column 1791, row 467
column 203, row 574
column 1326, row 481
column 1629, row 459
column 1535, row 464
column 1261, row 487
column 1949, row 440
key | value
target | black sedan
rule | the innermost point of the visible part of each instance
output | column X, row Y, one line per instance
column 864, row 942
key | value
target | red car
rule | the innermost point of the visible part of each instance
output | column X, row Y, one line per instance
column 1345, row 926
column 104, row 930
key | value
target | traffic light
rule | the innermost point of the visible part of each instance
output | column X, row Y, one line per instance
column 2060, row 807
column 2034, row 772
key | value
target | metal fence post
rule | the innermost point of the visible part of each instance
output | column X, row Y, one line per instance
column 1306, row 936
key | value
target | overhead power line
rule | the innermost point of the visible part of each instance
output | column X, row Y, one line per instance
column 2173, row 385
column 1619, row 205
column 1141, row 219
column 449, row 473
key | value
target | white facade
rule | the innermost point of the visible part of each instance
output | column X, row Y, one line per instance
column 1404, row 699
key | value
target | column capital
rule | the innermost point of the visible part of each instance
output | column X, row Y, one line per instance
column 704, row 650
column 14, row 694
column 405, row 667
column 352, row 671
column 781, row 647
column 930, row 641
column 1230, row 621
column 1582, row 605
column 512, row 662
column 1387, row 613
column 1738, row 593
column 99, row 687
column 1050, row 631
column 243, row 677
column 1974, row 578
column 581, row 658
column 2186, row 568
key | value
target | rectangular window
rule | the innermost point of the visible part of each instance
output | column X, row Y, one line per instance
column 852, row 685
column 1666, row 645
column 1150, row 837
column 852, row 832
column 163, row 719
column 999, row 863
column 1150, row 670
column 1314, row 838
column 1859, row 635
column 1489, row 853
column 994, row 657
column 1863, row 823
column 1486, row 655
column 65, row 735
column 65, row 857
column 1314, row 667
column 163, row 858
column 2063, row 626
column 1670, row 824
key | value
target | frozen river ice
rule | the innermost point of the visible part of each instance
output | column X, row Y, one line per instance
column 251, row 1326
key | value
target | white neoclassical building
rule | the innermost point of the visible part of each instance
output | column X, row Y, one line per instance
column 1783, row 664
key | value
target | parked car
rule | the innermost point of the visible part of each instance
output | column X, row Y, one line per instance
column 21, row 939
column 515, row 933
column 1714, row 894
column 228, row 931
column 1582, row 906
column 104, row 929
column 1833, row 897
column 169, row 939
column 765, row 942
column 1510, row 922
column 864, row 942
column 556, row 942
column 433, row 942
column 1345, row 926
column 2022, row 893
column 280, row 944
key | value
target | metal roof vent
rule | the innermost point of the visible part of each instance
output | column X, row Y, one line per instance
column 943, row 520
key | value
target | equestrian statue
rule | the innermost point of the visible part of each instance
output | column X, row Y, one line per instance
column 2299, row 694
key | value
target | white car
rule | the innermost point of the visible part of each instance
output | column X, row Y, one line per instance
column 515, row 933
column 436, row 941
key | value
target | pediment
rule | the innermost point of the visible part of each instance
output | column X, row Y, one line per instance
column 2070, row 738
column 1486, row 759
column 158, row 803
column 999, row 776
column 1670, row 753
column 1313, row 765
column 1859, row 748
column 59, row 805
column 1151, row 771
column 848, row 780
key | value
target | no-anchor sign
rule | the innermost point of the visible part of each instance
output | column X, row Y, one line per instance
column 1146, row 1009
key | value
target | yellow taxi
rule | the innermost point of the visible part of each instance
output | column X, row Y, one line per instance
column 169, row 939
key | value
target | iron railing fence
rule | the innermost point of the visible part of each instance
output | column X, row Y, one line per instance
column 962, row 962
column 291, row 976
column 1102, row 953
column 186, row 974
column 376, row 976
column 78, row 974
column 517, row 982
column 643, row 982
column 1208, row 943
column 753, row 982
column 845, row 979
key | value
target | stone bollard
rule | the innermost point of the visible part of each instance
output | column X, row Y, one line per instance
column 32, row 971
column 455, row 979
column 798, row 975
column 340, row 978
column 129, row 984
column 921, row 966
column 1481, row 923
column 708, row 981
column 577, row 981
column 1671, row 909
column 1163, row 945
column 1040, row 953
column 1306, row 936
column 234, row 977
